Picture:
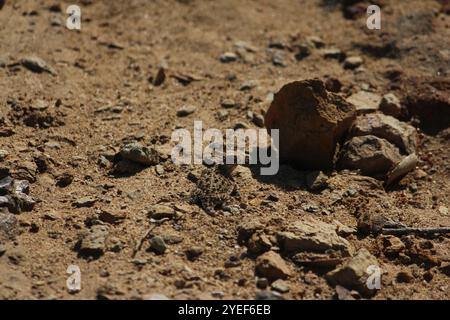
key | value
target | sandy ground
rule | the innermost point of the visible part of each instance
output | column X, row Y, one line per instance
column 101, row 95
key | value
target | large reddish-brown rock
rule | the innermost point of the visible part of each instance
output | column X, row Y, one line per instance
column 312, row 123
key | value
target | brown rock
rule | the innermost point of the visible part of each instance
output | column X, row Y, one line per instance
column 313, row 235
column 390, row 105
column 353, row 62
column 309, row 116
column 365, row 102
column 159, row 211
column 392, row 246
column 354, row 273
column 247, row 229
column 271, row 266
column 84, row 202
column 93, row 242
column 370, row 154
column 405, row 277
column 8, row 225
column 193, row 253
column 64, row 179
column 258, row 243
column 186, row 110
column 396, row 132
column 144, row 155
column 343, row 230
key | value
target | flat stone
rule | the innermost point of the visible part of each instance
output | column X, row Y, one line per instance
column 258, row 119
column 39, row 105
column 280, row 286
column 228, row 57
column 331, row 53
column 135, row 152
column 389, row 128
column 186, row 110
column 85, row 202
column 93, row 241
column 36, row 64
column 353, row 62
column 365, row 102
column 313, row 235
column 248, row 85
column 159, row 211
column 315, row 41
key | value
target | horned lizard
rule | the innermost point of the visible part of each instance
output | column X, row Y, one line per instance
column 214, row 188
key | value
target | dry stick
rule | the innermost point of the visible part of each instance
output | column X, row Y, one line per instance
column 403, row 231
column 138, row 247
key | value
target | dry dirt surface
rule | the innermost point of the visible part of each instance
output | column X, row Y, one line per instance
column 70, row 100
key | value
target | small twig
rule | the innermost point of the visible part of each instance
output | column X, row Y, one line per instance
column 138, row 247
column 403, row 231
